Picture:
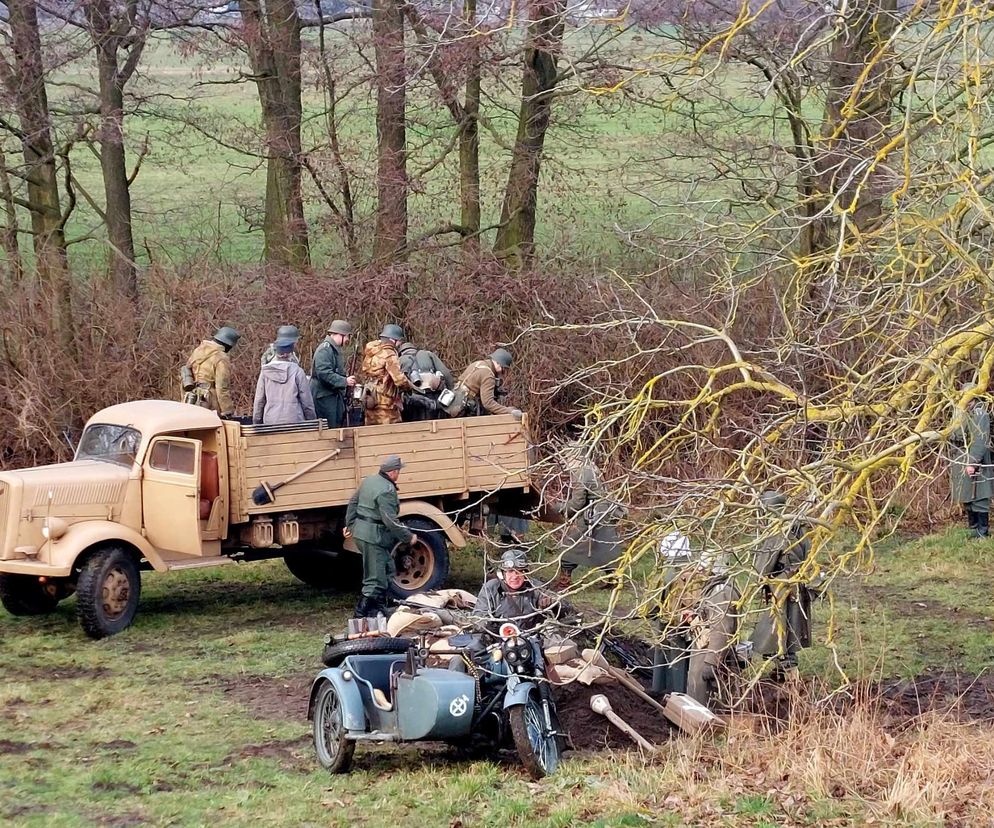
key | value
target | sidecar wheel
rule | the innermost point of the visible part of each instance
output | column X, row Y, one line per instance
column 539, row 751
column 333, row 749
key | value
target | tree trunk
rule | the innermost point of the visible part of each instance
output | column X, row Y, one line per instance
column 516, row 236
column 113, row 166
column 8, row 233
column 274, row 51
column 391, row 131
column 469, row 140
column 48, row 233
column 855, row 125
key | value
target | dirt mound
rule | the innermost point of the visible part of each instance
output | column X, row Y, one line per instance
column 962, row 696
column 590, row 731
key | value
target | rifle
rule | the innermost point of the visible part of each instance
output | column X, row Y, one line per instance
column 355, row 409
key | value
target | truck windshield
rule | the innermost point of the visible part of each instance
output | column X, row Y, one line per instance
column 112, row 443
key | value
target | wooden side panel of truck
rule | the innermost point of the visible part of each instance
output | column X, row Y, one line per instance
column 442, row 458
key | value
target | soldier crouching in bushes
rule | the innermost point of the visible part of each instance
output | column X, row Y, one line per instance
column 785, row 626
column 970, row 472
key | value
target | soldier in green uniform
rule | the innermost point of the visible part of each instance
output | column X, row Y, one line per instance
column 785, row 627
column 371, row 520
column 970, row 472
column 330, row 380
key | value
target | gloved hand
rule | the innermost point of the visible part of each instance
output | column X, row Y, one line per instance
column 517, row 413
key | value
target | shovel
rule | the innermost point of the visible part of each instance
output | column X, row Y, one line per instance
column 265, row 493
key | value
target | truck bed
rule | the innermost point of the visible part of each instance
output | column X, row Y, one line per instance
column 441, row 458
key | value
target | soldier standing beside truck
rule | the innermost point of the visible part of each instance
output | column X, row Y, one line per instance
column 372, row 521
column 330, row 378
column 476, row 389
column 384, row 380
column 206, row 377
column 971, row 473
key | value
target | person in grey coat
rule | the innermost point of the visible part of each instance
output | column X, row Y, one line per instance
column 971, row 471
column 282, row 394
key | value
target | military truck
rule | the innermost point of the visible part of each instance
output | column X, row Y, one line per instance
column 164, row 486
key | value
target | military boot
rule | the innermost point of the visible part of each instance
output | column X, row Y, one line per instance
column 983, row 528
column 362, row 607
column 971, row 519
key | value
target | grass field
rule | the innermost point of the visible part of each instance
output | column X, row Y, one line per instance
column 196, row 716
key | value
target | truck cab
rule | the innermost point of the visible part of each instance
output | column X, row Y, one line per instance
column 146, row 489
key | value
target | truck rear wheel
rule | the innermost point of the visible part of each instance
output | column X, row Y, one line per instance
column 322, row 569
column 109, row 586
column 26, row 595
column 426, row 565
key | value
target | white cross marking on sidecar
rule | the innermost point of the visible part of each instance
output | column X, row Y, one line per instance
column 459, row 705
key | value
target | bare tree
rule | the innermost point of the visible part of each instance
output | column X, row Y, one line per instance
column 516, row 234
column 22, row 70
column 271, row 31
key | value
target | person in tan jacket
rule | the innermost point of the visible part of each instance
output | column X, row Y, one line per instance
column 210, row 367
column 479, row 381
column 384, row 380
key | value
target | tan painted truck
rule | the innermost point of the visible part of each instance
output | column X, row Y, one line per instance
column 165, row 486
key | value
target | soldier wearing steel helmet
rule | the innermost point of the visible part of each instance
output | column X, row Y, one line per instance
column 511, row 595
column 330, row 378
column 285, row 333
column 383, row 377
column 208, row 373
column 476, row 389
column 971, row 471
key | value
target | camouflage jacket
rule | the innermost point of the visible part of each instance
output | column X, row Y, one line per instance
column 382, row 373
column 270, row 354
column 211, row 366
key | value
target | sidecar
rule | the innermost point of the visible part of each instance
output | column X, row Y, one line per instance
column 387, row 698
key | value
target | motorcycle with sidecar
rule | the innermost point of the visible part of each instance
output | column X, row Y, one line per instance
column 492, row 693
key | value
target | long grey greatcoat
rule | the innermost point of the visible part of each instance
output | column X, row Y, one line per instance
column 972, row 441
column 785, row 627
column 592, row 539
column 328, row 383
column 282, row 395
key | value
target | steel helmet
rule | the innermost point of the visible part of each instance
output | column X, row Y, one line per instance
column 287, row 333
column 513, row 559
column 227, row 336
column 502, row 357
column 392, row 332
column 340, row 326
column 772, row 499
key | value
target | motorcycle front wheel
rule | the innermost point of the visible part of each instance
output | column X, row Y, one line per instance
column 537, row 748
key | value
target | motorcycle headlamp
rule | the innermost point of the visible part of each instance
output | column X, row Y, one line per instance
column 517, row 652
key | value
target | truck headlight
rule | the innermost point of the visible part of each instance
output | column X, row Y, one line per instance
column 54, row 528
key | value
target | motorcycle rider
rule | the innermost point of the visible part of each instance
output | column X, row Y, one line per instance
column 512, row 596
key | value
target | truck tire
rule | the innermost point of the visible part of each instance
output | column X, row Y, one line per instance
column 109, row 586
column 322, row 569
column 26, row 595
column 335, row 653
column 426, row 566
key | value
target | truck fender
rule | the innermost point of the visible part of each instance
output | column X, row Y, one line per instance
column 518, row 691
column 422, row 508
column 353, row 711
column 62, row 554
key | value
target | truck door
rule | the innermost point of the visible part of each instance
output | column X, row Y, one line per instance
column 171, row 496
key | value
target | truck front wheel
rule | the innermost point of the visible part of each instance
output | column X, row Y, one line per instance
column 425, row 566
column 26, row 595
column 109, row 586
